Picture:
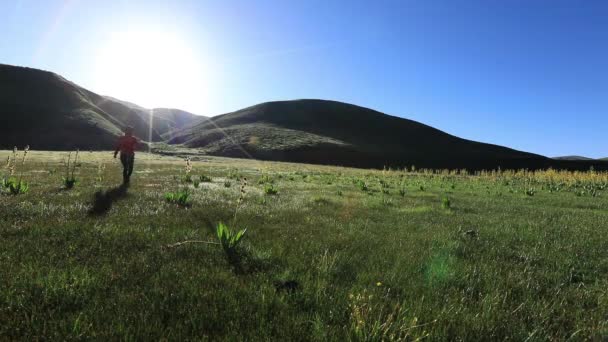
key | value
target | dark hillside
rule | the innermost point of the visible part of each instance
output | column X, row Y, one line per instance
column 329, row 132
column 46, row 111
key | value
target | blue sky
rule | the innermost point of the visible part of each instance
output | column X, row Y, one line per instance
column 527, row 74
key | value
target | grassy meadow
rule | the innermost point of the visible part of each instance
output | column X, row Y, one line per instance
column 329, row 254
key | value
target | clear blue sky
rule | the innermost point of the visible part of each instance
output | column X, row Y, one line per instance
column 532, row 75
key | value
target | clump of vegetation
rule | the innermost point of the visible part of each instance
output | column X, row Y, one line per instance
column 188, row 172
column 446, row 203
column 370, row 321
column 228, row 239
column 101, row 167
column 205, row 179
column 227, row 184
column 181, row 198
column 530, row 192
column 11, row 183
column 69, row 180
column 402, row 192
column 265, row 179
column 269, row 189
column 361, row 185
column 232, row 174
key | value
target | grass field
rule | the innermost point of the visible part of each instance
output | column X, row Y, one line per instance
column 329, row 253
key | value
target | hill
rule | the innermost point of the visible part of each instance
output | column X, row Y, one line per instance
column 573, row 158
column 329, row 132
column 46, row 111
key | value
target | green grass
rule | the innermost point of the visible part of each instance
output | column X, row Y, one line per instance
column 322, row 260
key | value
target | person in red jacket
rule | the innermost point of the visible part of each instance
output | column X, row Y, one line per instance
column 126, row 145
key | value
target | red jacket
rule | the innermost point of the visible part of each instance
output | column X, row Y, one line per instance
column 126, row 144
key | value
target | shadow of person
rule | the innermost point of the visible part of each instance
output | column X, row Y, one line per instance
column 102, row 201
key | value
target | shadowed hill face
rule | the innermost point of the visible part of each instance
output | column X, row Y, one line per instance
column 41, row 109
column 330, row 132
column 573, row 158
column 46, row 111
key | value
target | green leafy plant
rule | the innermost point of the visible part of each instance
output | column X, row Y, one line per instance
column 232, row 174
column 228, row 239
column 402, row 192
column 269, row 189
column 227, row 184
column 361, row 185
column 446, row 203
column 15, row 185
column 181, row 198
column 265, row 179
column 205, row 179
column 196, row 183
column 69, row 180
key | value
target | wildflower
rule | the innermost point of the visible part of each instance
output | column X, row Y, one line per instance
column 188, row 166
column 379, row 284
column 27, row 148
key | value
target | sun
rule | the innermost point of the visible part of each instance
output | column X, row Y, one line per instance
column 152, row 69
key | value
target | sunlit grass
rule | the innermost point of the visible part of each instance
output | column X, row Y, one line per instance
column 325, row 259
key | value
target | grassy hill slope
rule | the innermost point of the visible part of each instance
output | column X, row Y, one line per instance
column 573, row 158
column 46, row 111
column 329, row 132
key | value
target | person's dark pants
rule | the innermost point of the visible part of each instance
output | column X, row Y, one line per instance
column 127, row 161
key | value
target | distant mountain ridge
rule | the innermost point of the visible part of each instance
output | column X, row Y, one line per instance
column 330, row 132
column 573, row 158
column 46, row 111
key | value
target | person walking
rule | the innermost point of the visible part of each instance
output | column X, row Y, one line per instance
column 126, row 145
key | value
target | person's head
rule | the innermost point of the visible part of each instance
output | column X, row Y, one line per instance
column 129, row 131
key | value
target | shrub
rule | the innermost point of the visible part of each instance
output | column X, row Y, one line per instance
column 205, row 179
